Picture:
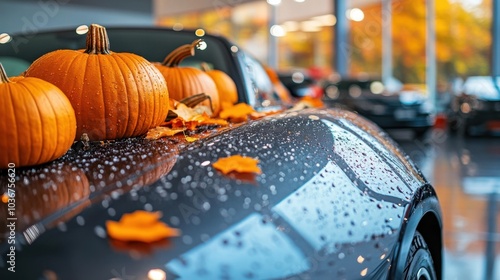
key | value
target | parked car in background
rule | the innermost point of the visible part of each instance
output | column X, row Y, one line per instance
column 475, row 106
column 335, row 198
column 390, row 105
column 300, row 84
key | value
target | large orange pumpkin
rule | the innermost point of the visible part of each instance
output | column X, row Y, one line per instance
column 115, row 95
column 225, row 84
column 188, row 81
column 37, row 124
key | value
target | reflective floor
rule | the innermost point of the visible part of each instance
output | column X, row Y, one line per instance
column 466, row 174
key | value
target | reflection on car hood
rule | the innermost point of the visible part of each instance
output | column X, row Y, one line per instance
column 308, row 213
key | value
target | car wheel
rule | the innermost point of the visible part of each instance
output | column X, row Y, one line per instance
column 419, row 264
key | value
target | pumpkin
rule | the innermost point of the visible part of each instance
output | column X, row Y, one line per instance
column 184, row 82
column 115, row 95
column 225, row 84
column 38, row 122
column 279, row 88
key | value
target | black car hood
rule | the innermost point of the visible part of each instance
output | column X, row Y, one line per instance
column 306, row 214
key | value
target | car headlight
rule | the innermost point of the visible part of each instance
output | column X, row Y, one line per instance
column 355, row 91
column 377, row 87
column 465, row 108
column 332, row 92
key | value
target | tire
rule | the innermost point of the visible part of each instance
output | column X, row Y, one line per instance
column 419, row 264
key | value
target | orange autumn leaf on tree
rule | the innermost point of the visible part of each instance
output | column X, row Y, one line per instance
column 142, row 226
column 237, row 163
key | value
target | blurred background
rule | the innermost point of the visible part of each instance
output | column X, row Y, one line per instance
column 302, row 33
column 423, row 42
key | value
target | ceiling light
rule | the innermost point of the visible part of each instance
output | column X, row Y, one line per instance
column 355, row 14
column 274, row 2
column 277, row 31
column 5, row 38
column 310, row 26
column 82, row 29
column 291, row 26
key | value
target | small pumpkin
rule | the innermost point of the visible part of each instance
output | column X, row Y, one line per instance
column 115, row 95
column 225, row 84
column 279, row 88
column 38, row 122
column 184, row 82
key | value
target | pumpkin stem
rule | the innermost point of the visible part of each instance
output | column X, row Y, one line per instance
column 174, row 58
column 196, row 99
column 3, row 75
column 97, row 40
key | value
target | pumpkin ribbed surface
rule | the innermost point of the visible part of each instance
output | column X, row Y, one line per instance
column 38, row 122
column 228, row 93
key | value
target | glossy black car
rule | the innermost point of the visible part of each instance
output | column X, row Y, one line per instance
column 390, row 105
column 475, row 107
column 336, row 199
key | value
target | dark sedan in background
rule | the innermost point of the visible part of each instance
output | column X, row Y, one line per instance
column 336, row 199
column 300, row 84
column 475, row 107
column 391, row 105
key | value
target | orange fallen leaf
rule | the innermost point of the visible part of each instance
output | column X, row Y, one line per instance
column 140, row 218
column 184, row 112
column 188, row 113
column 195, row 121
column 161, row 131
column 191, row 139
column 211, row 121
column 140, row 226
column 237, row 113
column 308, row 102
column 259, row 115
column 237, row 163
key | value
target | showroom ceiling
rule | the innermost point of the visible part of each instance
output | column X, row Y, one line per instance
column 140, row 6
column 175, row 7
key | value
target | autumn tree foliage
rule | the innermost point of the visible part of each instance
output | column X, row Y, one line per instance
column 463, row 39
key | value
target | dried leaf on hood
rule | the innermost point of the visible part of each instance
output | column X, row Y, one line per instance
column 307, row 102
column 161, row 131
column 142, row 226
column 237, row 163
column 191, row 139
column 237, row 113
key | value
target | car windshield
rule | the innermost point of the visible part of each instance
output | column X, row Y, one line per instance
column 483, row 86
column 154, row 44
